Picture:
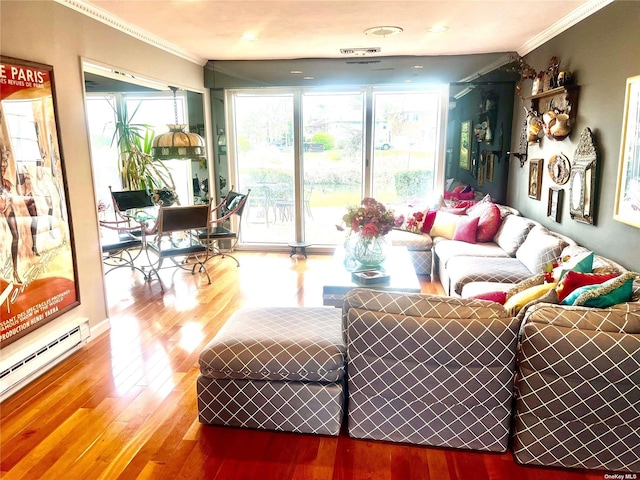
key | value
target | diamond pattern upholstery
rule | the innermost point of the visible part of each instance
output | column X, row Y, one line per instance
column 429, row 370
column 277, row 344
column 512, row 233
column 539, row 248
column 463, row 270
column 419, row 247
column 302, row 407
column 275, row 368
column 578, row 388
column 422, row 261
column 447, row 249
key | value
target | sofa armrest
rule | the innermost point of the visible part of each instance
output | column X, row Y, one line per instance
column 621, row 318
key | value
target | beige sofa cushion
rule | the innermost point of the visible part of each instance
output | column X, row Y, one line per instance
column 413, row 241
column 512, row 233
column 539, row 248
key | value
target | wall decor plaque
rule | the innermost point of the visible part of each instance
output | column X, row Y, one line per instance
column 559, row 168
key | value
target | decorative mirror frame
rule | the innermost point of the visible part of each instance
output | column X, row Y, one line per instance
column 627, row 202
column 582, row 182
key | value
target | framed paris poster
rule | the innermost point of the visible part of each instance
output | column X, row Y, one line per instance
column 38, row 272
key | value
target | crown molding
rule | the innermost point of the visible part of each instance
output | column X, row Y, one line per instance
column 579, row 14
column 114, row 22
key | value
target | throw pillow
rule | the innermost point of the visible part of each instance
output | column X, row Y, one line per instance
column 572, row 280
column 461, row 192
column 429, row 219
column 610, row 293
column 480, row 203
column 515, row 303
column 539, row 248
column 490, row 220
column 466, row 204
column 466, row 229
column 582, row 263
column 534, row 281
column 550, row 297
column 499, row 297
column 444, row 225
column 454, row 210
column 512, row 232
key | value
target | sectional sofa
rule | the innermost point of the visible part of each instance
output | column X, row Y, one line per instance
column 559, row 384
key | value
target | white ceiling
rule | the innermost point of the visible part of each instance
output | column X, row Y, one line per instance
column 202, row 30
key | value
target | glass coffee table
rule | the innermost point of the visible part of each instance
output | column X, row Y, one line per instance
column 402, row 276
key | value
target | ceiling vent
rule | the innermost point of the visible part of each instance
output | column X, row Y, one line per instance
column 361, row 62
column 360, row 51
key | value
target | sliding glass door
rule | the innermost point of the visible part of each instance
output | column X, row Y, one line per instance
column 405, row 140
column 307, row 155
column 332, row 162
column 264, row 153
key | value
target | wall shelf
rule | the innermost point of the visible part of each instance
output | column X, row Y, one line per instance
column 562, row 99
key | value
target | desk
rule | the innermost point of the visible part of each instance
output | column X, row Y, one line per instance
column 398, row 265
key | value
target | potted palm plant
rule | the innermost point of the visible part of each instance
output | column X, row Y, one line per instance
column 138, row 169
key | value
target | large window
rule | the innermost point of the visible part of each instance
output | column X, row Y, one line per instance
column 154, row 110
column 306, row 155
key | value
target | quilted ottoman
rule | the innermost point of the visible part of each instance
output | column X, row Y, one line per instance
column 275, row 369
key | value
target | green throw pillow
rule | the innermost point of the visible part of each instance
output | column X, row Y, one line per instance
column 581, row 264
column 610, row 293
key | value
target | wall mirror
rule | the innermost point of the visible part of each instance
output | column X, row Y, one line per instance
column 482, row 111
column 582, row 183
column 627, row 205
column 112, row 96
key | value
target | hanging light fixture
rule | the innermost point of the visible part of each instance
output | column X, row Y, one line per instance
column 177, row 144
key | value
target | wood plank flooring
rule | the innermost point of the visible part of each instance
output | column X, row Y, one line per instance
column 124, row 407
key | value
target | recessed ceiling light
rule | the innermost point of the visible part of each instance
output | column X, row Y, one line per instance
column 308, row 78
column 418, row 67
column 383, row 31
column 250, row 37
column 438, row 28
column 296, row 72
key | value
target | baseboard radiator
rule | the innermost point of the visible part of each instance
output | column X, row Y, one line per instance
column 40, row 355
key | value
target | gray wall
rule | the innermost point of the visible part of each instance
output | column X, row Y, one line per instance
column 47, row 32
column 602, row 51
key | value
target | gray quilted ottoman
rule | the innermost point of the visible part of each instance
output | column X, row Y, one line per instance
column 275, row 369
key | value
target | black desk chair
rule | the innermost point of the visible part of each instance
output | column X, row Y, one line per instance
column 232, row 204
column 178, row 236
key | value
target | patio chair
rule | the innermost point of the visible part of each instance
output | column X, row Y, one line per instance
column 124, row 240
column 232, row 204
column 178, row 239
column 121, row 247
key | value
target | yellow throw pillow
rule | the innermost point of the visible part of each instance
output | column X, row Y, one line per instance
column 444, row 225
column 515, row 303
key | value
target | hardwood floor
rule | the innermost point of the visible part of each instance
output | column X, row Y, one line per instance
column 125, row 405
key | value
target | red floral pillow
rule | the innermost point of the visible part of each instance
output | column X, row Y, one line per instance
column 573, row 280
column 490, row 220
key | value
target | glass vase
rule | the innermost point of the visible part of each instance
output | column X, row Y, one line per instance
column 369, row 251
